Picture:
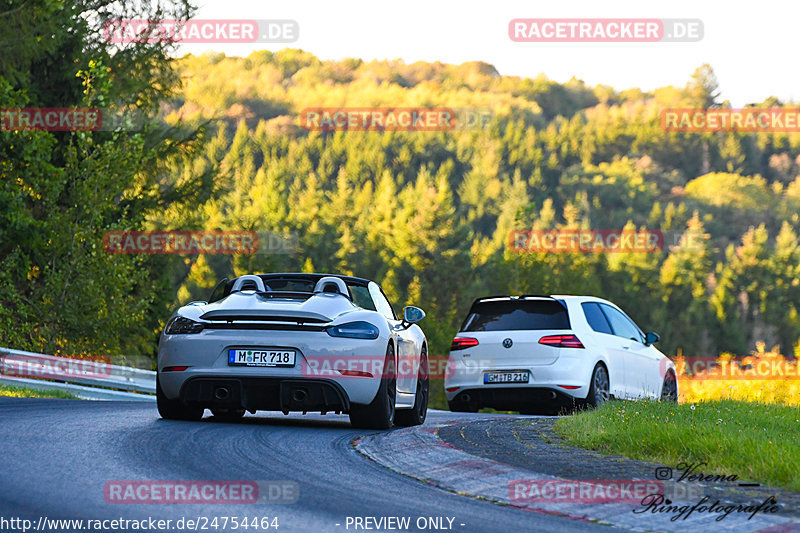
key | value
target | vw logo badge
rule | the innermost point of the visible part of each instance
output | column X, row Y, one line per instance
column 507, row 343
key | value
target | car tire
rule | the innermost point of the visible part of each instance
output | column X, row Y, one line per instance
column 380, row 413
column 175, row 409
column 228, row 415
column 599, row 390
column 416, row 415
column 669, row 390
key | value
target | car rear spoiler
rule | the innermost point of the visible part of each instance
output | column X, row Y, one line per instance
column 511, row 298
column 273, row 315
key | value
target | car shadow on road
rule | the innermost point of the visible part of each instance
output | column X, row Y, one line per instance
column 293, row 420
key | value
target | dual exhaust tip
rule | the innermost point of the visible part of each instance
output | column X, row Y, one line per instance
column 299, row 395
column 224, row 393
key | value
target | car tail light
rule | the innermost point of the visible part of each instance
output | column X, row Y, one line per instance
column 461, row 343
column 570, row 387
column 174, row 368
column 354, row 330
column 561, row 341
column 355, row 373
column 452, row 389
column 182, row 325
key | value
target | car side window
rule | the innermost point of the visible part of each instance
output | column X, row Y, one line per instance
column 621, row 324
column 382, row 305
column 362, row 297
column 595, row 317
column 220, row 290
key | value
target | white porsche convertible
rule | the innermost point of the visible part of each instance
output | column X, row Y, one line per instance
column 295, row 342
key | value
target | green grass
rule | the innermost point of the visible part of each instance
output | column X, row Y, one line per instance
column 755, row 441
column 24, row 392
column 436, row 395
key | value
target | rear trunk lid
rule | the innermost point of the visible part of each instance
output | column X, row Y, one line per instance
column 508, row 331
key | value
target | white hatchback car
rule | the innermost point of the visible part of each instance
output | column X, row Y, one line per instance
column 538, row 354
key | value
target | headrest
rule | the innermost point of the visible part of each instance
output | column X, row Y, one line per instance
column 249, row 279
column 332, row 284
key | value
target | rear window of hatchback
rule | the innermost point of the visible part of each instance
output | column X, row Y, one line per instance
column 511, row 315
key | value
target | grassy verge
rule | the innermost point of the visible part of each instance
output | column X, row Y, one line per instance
column 436, row 396
column 755, row 441
column 24, row 392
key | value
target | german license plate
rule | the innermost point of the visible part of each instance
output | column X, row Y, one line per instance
column 259, row 357
column 506, row 377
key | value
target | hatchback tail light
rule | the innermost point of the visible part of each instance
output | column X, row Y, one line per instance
column 561, row 341
column 461, row 343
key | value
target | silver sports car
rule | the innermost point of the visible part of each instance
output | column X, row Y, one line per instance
column 295, row 342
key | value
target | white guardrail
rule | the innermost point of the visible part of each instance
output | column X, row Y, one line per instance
column 86, row 379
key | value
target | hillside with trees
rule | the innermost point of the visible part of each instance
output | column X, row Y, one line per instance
column 426, row 214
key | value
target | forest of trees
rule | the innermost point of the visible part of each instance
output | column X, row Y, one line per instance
column 426, row 214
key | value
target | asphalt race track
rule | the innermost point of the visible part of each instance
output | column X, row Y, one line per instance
column 58, row 455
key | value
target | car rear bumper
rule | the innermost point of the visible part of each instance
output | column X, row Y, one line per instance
column 569, row 376
column 265, row 393
column 318, row 356
column 511, row 398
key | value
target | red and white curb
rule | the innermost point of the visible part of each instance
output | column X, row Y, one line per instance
column 419, row 453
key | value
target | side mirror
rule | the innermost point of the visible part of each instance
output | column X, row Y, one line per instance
column 651, row 338
column 412, row 315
